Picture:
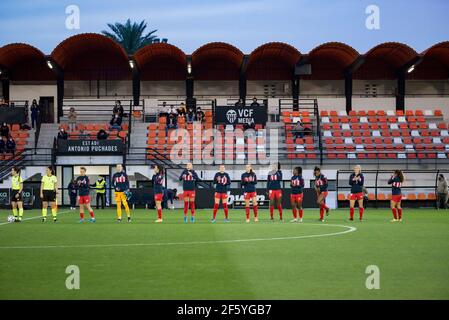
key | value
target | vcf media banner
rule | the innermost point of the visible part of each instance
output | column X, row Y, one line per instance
column 90, row 147
column 240, row 115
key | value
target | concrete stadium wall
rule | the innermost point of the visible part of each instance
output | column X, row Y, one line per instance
column 431, row 87
column 93, row 88
column 213, row 89
column 269, row 89
column 321, row 87
column 30, row 91
column 169, row 89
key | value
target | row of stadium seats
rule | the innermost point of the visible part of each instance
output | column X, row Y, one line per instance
column 385, row 135
column 94, row 127
column 372, row 113
column 383, row 197
column 91, row 130
column 158, row 139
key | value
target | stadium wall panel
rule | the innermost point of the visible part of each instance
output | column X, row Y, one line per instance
column 322, row 87
column 34, row 91
column 162, row 88
column 216, row 88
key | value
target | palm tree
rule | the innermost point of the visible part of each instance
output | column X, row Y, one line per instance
column 130, row 35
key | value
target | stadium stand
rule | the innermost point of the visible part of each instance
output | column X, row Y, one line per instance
column 20, row 137
column 379, row 134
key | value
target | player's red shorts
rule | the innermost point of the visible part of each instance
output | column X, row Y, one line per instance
column 396, row 197
column 296, row 197
column 249, row 195
column 189, row 194
column 221, row 195
column 274, row 194
column 356, row 196
column 324, row 193
column 158, row 196
column 84, row 200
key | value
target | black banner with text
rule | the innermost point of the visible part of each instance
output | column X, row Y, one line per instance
column 240, row 115
column 90, row 147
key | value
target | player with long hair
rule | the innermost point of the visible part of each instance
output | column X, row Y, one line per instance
column 83, row 183
column 321, row 192
column 296, row 197
column 49, row 185
column 158, row 181
column 249, row 181
column 189, row 178
column 396, row 181
column 356, row 181
column 221, row 182
column 274, row 189
column 16, row 194
column 120, row 182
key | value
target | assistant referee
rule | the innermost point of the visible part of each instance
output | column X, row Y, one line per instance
column 48, row 194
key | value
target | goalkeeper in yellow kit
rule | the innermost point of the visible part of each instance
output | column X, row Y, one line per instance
column 120, row 182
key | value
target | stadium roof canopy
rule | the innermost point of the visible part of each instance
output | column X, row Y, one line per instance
column 217, row 61
column 434, row 64
column 25, row 63
column 330, row 60
column 385, row 60
column 161, row 61
column 92, row 56
column 273, row 61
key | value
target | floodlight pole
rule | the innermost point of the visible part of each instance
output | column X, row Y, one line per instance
column 348, row 73
column 189, row 79
column 5, row 88
column 136, row 82
column 242, row 78
column 59, row 85
column 401, row 75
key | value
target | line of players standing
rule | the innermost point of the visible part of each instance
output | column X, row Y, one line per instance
column 221, row 182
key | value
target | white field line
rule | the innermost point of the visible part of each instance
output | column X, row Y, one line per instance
column 31, row 218
column 348, row 229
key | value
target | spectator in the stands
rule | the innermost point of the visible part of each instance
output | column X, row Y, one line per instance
column 298, row 130
column 164, row 110
column 10, row 145
column 118, row 108
column 172, row 123
column 72, row 119
column 3, row 103
column 2, row 145
column 12, row 104
column 239, row 103
column 255, row 103
column 307, row 131
column 102, row 135
column 182, row 110
column 62, row 134
column 116, row 122
column 247, row 126
column 190, row 117
column 173, row 110
column 442, row 192
column 4, row 130
column 34, row 113
column 27, row 109
column 200, row 116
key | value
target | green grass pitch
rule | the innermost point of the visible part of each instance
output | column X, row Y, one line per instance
column 144, row 260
